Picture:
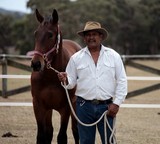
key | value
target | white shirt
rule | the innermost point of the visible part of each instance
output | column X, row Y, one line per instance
column 102, row 81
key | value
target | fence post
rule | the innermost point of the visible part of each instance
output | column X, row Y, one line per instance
column 124, row 60
column 4, row 80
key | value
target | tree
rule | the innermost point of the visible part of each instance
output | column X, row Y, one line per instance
column 133, row 25
column 153, row 8
column 5, row 32
column 23, row 34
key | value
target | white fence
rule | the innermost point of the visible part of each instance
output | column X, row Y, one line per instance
column 11, row 60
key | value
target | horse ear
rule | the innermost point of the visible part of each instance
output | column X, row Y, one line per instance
column 55, row 16
column 39, row 16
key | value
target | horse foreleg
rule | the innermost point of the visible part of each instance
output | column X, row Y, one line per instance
column 48, row 127
column 44, row 124
column 62, row 135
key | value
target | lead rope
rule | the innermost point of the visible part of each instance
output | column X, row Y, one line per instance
column 112, row 136
column 92, row 124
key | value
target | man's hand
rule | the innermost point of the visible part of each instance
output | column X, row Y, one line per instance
column 112, row 110
column 62, row 76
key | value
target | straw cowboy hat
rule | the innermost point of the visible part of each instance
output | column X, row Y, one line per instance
column 92, row 25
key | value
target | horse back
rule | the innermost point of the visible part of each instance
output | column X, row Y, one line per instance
column 70, row 46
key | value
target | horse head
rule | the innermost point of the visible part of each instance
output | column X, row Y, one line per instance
column 47, row 41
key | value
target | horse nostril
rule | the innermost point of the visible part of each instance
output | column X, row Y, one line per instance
column 36, row 65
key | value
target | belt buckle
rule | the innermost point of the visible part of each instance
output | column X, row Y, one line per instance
column 95, row 101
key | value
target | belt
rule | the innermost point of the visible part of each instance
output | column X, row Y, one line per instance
column 96, row 102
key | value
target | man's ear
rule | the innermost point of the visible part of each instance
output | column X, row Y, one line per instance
column 101, row 35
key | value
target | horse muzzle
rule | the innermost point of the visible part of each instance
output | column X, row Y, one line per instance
column 37, row 66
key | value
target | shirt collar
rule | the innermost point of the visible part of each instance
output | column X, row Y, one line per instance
column 103, row 48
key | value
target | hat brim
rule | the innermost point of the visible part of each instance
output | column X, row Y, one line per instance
column 100, row 30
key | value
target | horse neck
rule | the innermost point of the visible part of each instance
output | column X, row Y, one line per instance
column 58, row 60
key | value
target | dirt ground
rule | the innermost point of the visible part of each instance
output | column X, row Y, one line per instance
column 133, row 125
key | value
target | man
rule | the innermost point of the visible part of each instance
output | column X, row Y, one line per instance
column 99, row 75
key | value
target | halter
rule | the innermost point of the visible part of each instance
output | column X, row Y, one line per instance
column 55, row 47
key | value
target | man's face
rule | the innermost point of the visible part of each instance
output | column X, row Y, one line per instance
column 93, row 39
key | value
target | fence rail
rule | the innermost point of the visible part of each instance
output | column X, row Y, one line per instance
column 11, row 60
column 29, row 104
column 135, row 78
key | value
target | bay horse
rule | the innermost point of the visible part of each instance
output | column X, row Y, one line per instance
column 51, row 51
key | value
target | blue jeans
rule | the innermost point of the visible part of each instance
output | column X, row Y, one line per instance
column 88, row 113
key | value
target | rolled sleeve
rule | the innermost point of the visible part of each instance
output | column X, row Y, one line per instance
column 121, row 82
column 71, row 74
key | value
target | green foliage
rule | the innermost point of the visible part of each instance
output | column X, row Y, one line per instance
column 5, row 32
column 133, row 25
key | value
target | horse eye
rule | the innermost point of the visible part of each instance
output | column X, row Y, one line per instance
column 50, row 34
